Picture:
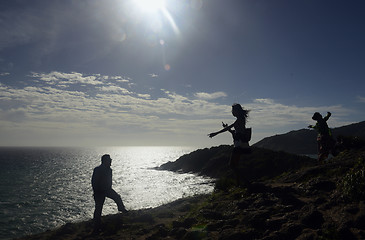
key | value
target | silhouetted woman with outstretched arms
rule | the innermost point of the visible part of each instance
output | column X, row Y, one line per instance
column 241, row 136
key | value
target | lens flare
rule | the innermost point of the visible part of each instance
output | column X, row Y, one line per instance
column 150, row 5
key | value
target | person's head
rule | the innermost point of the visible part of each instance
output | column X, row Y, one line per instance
column 106, row 160
column 317, row 116
column 239, row 112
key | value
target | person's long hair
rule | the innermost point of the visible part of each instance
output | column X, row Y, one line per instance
column 242, row 113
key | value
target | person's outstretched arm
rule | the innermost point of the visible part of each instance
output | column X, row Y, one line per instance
column 221, row 131
column 226, row 125
column 327, row 117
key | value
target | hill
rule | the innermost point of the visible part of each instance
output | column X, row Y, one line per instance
column 260, row 164
column 303, row 141
column 299, row 200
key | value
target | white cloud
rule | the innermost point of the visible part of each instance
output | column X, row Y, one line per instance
column 267, row 113
column 68, row 78
column 146, row 96
column 115, row 89
column 210, row 96
column 153, row 75
column 47, row 110
column 264, row 100
column 115, row 115
column 120, row 79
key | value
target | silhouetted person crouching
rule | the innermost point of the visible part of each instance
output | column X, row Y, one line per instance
column 102, row 187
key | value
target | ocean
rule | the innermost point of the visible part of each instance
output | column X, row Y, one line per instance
column 44, row 188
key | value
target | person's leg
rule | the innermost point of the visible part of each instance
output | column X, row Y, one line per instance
column 319, row 148
column 332, row 146
column 243, row 180
column 99, row 202
column 324, row 148
column 234, row 164
column 117, row 199
column 323, row 155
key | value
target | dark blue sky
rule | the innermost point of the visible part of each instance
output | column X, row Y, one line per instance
column 75, row 69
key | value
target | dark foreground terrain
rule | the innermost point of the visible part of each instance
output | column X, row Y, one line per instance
column 291, row 197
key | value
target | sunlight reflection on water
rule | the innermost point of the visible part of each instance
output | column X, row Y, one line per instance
column 141, row 186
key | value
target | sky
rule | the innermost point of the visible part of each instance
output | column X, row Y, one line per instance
column 166, row 73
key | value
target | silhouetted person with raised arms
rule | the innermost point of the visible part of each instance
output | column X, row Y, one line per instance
column 325, row 142
column 102, row 187
column 241, row 136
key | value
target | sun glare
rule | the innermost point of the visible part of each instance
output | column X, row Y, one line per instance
column 153, row 10
column 150, row 5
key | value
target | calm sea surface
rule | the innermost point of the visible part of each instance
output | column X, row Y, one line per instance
column 43, row 188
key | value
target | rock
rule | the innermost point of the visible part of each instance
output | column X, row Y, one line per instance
column 352, row 209
column 143, row 231
column 312, row 219
column 214, row 226
column 211, row 214
column 324, row 185
column 345, row 233
column 263, row 202
column 144, row 218
column 320, row 201
column 288, row 231
column 233, row 222
column 177, row 224
column 308, row 234
column 257, row 187
column 257, row 219
column 243, row 204
column 290, row 200
column 228, row 234
column 291, row 231
column 178, row 232
column 362, row 234
column 187, row 223
column 360, row 222
column 275, row 224
column 162, row 232
column 68, row 228
column 185, row 208
column 195, row 234
column 165, row 215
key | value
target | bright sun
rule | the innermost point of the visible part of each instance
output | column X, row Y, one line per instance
column 156, row 9
column 150, row 5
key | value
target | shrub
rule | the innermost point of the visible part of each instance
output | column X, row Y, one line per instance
column 353, row 184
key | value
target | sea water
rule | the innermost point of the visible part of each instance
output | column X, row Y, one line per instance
column 43, row 188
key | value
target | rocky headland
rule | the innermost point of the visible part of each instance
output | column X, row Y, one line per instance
column 291, row 197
